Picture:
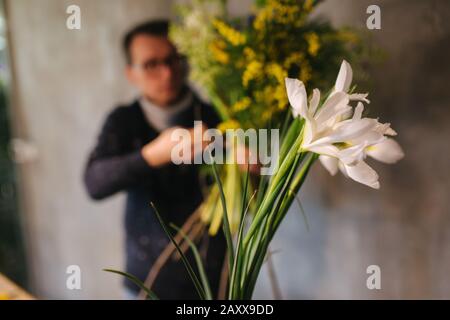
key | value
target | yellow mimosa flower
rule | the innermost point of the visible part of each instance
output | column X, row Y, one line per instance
column 230, row 34
column 313, row 43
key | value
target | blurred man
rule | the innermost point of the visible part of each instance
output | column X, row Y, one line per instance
column 133, row 154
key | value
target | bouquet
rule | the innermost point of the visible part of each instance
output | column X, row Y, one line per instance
column 241, row 64
column 330, row 129
column 256, row 71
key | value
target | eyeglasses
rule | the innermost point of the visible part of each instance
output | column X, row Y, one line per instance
column 154, row 65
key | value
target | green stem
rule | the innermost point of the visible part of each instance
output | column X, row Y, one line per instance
column 275, row 186
column 293, row 190
column 264, row 239
column 241, row 228
column 219, row 105
column 190, row 270
column 226, row 223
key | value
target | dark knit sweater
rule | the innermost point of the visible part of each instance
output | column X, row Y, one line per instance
column 116, row 164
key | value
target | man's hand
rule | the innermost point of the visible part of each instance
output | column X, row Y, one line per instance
column 158, row 152
column 254, row 168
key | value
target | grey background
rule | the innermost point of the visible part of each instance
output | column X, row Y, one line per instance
column 66, row 81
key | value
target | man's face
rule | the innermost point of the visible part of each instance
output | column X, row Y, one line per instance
column 156, row 69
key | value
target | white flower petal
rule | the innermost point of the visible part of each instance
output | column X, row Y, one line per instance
column 313, row 104
column 385, row 128
column 388, row 151
column 337, row 117
column 296, row 93
column 347, row 130
column 359, row 97
column 369, row 138
column 309, row 131
column 327, row 150
column 357, row 115
column 334, row 104
column 344, row 78
column 330, row 163
column 343, row 169
column 363, row 173
column 352, row 154
column 346, row 115
column 390, row 132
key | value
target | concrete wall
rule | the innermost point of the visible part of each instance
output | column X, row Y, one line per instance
column 66, row 81
column 403, row 227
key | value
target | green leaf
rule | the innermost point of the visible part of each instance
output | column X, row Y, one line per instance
column 303, row 212
column 287, row 120
column 289, row 137
column 188, row 266
column 235, row 272
column 198, row 260
column 274, row 189
column 295, row 186
column 136, row 281
column 244, row 197
column 226, row 224
column 258, row 244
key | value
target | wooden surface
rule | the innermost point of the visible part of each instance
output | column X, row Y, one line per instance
column 10, row 291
